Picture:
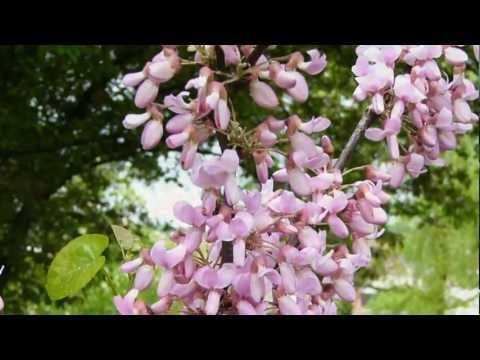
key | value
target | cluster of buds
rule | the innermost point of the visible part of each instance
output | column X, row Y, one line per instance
column 422, row 103
column 281, row 249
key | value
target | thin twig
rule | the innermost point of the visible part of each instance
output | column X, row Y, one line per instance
column 367, row 119
column 256, row 53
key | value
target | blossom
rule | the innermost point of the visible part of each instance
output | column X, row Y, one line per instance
column 263, row 94
column 264, row 250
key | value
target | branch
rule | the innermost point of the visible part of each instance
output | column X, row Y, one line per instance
column 367, row 119
column 220, row 56
column 227, row 247
column 256, row 53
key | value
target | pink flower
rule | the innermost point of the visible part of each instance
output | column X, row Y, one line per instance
column 231, row 53
column 299, row 92
column 143, row 277
column 263, row 94
column 210, row 278
column 316, row 64
column 188, row 214
column 316, row 124
column 167, row 258
column 406, row 91
column 282, row 78
column 333, row 206
column 127, row 305
column 455, row 56
column 152, row 134
column 133, row 121
column 344, row 289
column 286, row 204
column 288, row 306
column 217, row 101
column 132, row 265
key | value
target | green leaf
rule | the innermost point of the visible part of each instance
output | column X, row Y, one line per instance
column 75, row 265
column 125, row 238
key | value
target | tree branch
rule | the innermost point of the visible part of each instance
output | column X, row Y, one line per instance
column 256, row 53
column 227, row 246
column 367, row 119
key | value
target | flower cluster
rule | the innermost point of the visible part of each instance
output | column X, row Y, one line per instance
column 421, row 102
column 265, row 251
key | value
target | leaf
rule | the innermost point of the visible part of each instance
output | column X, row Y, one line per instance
column 125, row 238
column 75, row 265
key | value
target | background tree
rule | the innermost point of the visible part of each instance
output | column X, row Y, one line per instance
column 63, row 148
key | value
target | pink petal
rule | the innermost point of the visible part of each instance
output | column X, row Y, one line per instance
column 359, row 225
column 257, row 288
column 188, row 214
column 280, row 175
column 415, row 164
column 230, row 160
column 143, row 277
column 288, row 277
column 222, row 115
column 324, row 265
column 263, row 94
column 189, row 151
column 378, row 103
column 146, row 94
column 317, row 124
column 344, row 289
column 162, row 71
column 337, row 226
column 455, row 56
column 241, row 224
column 300, row 91
column 338, row 203
column 152, row 134
column 131, row 265
column 308, row 283
column 462, row 111
column 206, row 277
column 232, row 191
column 317, row 63
column 322, row 181
column 245, row 308
column 213, row 302
column 392, row 146
column 239, row 252
column 310, row 238
column 231, row 53
column 262, row 172
column 397, row 173
column 375, row 134
column 299, row 182
column 225, row 276
column 165, row 283
column 288, row 306
column 179, row 122
column 134, row 79
column 192, row 240
column 133, row 121
column 177, row 140
column 161, row 306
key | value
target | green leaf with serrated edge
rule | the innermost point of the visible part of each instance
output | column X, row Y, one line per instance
column 75, row 265
column 125, row 238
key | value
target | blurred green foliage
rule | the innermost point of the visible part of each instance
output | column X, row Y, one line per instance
column 67, row 165
column 439, row 248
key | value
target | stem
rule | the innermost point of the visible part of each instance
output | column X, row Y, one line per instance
column 256, row 53
column 354, row 169
column 367, row 119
